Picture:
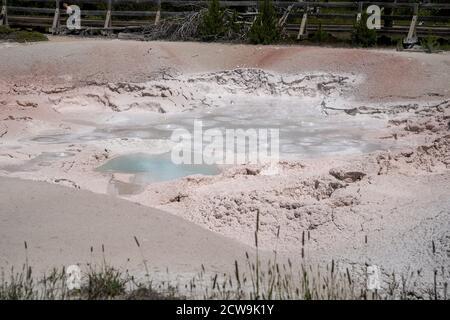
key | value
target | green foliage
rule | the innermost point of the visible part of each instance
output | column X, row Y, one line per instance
column 255, row 279
column 399, row 45
column 28, row 36
column 320, row 36
column 212, row 25
column 430, row 43
column 4, row 30
column 234, row 25
column 104, row 284
column 265, row 28
column 20, row 35
column 363, row 36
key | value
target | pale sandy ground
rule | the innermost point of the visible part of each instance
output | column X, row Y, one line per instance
column 60, row 226
column 389, row 74
column 398, row 200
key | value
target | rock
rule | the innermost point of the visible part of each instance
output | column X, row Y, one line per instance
column 27, row 104
column 407, row 154
column 413, row 128
column 348, row 176
column 251, row 172
column 179, row 197
column 66, row 182
column 18, row 118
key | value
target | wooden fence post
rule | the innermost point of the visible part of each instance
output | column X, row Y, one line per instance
column 411, row 38
column 158, row 13
column 285, row 16
column 108, row 18
column 55, row 24
column 360, row 10
column 4, row 14
column 302, row 31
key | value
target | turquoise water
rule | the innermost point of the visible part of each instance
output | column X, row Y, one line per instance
column 155, row 168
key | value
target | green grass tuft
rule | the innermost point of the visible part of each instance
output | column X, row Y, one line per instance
column 21, row 36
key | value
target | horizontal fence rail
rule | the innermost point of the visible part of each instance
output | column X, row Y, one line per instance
column 305, row 14
column 203, row 3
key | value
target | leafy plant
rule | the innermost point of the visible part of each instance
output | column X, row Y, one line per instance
column 265, row 28
column 20, row 35
column 430, row 43
column 4, row 30
column 104, row 284
column 28, row 36
column 320, row 36
column 363, row 36
column 212, row 25
column 233, row 22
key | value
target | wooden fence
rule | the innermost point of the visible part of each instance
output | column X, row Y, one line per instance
column 299, row 17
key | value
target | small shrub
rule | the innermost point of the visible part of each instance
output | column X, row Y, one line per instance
column 430, row 43
column 28, row 36
column 233, row 23
column 265, row 28
column 4, row 30
column 384, row 40
column 149, row 293
column 212, row 25
column 106, row 283
column 320, row 36
column 363, row 36
column 20, row 35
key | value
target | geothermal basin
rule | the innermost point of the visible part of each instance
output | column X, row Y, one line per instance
column 361, row 178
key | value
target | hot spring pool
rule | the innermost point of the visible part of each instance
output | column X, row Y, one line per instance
column 154, row 168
